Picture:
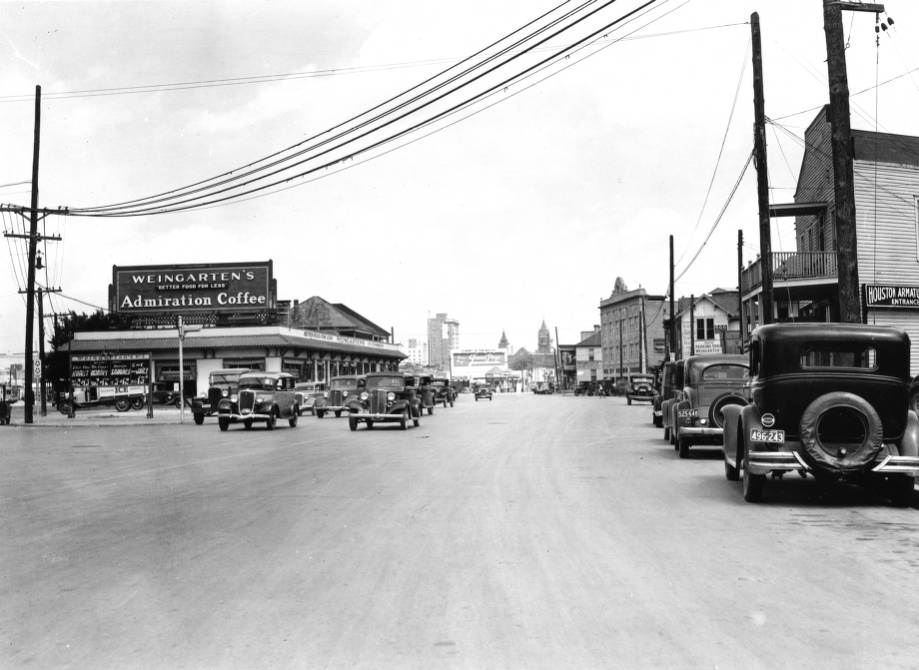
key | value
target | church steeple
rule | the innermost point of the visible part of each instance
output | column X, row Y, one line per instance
column 544, row 342
column 502, row 343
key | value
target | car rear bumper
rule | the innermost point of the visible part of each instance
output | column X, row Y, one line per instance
column 369, row 416
column 765, row 462
column 252, row 416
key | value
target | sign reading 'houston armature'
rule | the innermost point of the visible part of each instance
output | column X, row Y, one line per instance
column 216, row 287
column 892, row 296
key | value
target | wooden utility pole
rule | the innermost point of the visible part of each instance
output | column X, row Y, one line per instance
column 41, row 353
column 762, row 175
column 672, row 332
column 30, row 285
column 743, row 333
column 692, row 325
column 841, row 141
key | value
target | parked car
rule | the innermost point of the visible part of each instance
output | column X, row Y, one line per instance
column 387, row 397
column 166, row 393
column 584, row 388
column 543, row 388
column 335, row 399
column 828, row 400
column 711, row 382
column 308, row 393
column 483, row 392
column 221, row 383
column 261, row 397
column 443, row 391
column 671, row 391
column 641, row 389
column 425, row 391
column 663, row 391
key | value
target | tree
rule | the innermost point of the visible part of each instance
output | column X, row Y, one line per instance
column 522, row 360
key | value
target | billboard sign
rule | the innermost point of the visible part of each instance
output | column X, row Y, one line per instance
column 902, row 297
column 212, row 287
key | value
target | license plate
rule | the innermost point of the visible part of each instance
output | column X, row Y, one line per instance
column 771, row 436
column 685, row 413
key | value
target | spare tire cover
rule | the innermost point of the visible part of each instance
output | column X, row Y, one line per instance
column 856, row 457
column 716, row 409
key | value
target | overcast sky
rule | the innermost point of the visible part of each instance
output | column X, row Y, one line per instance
column 526, row 211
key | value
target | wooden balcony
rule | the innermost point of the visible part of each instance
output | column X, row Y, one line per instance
column 799, row 267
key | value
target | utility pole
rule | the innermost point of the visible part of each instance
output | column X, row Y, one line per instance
column 30, row 286
column 620, row 350
column 41, row 353
column 692, row 325
column 762, row 175
column 743, row 327
column 672, row 324
column 841, row 141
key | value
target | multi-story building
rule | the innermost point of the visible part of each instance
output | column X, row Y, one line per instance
column 805, row 281
column 417, row 351
column 631, row 332
column 589, row 357
column 443, row 337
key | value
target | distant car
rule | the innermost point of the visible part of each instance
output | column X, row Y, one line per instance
column 641, row 389
column 222, row 383
column 830, row 400
column 265, row 397
column 664, row 390
column 584, row 388
column 386, row 397
column 165, row 393
column 711, row 382
column 483, row 392
column 543, row 388
column 443, row 391
column 339, row 392
column 308, row 393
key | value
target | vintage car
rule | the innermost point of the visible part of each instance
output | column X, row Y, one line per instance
column 308, row 393
column 711, row 382
column 261, row 397
column 829, row 400
column 443, row 391
column 641, row 389
column 584, row 388
column 386, row 397
column 671, row 392
column 221, row 383
column 335, row 399
column 483, row 392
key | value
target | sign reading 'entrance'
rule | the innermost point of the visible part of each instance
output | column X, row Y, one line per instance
column 219, row 287
column 904, row 297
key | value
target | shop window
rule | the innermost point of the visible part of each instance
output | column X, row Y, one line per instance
column 250, row 363
column 705, row 329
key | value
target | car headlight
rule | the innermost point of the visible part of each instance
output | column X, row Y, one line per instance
column 234, row 398
column 325, row 394
column 365, row 395
column 224, row 393
column 390, row 396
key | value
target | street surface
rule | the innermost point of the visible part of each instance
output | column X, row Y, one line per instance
column 526, row 532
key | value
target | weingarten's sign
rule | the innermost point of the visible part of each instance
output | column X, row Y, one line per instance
column 213, row 287
column 904, row 297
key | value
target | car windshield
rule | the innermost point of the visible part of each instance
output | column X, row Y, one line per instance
column 724, row 373
column 259, row 383
column 438, row 382
column 385, row 382
column 224, row 378
column 642, row 380
column 343, row 384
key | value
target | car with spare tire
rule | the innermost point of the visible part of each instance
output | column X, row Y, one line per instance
column 711, row 382
column 829, row 401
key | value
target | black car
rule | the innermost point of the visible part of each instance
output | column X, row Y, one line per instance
column 443, row 391
column 386, row 397
column 483, row 392
column 827, row 400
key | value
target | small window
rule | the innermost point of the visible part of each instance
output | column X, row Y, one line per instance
column 724, row 373
column 816, row 356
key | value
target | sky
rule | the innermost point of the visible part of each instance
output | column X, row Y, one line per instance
column 522, row 209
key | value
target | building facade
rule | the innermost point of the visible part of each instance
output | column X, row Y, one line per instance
column 805, row 281
column 589, row 358
column 443, row 337
column 631, row 332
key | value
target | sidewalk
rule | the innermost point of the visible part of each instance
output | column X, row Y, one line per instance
column 107, row 416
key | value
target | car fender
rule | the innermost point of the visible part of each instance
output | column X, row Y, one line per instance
column 909, row 445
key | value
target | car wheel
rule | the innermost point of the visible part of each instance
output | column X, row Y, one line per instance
column 666, row 432
column 177, row 402
column 403, row 420
column 247, row 424
column 199, row 418
column 430, row 410
column 914, row 401
column 477, row 398
column 320, row 413
column 122, row 404
column 223, row 422
column 900, row 490
column 451, row 403
column 272, row 420
column 628, row 401
column 683, row 447
column 752, row 484
column 369, row 424
column 292, row 421
column 337, row 413
column 137, row 403
column 352, row 423
column 730, row 472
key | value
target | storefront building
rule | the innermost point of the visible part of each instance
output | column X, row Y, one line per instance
column 230, row 318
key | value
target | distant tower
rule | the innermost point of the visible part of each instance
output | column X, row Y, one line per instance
column 544, row 342
column 502, row 343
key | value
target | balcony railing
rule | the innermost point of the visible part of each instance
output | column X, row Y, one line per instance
column 791, row 265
